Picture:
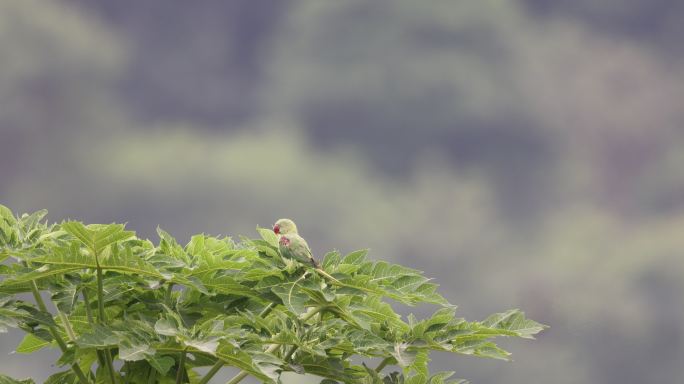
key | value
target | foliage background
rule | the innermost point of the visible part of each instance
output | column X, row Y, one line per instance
column 524, row 153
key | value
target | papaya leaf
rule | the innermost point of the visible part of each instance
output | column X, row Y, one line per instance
column 8, row 380
column 161, row 363
column 31, row 344
column 65, row 377
column 134, row 351
column 97, row 236
column 269, row 236
column 512, row 323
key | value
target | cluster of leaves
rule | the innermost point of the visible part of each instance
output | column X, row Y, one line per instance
column 164, row 310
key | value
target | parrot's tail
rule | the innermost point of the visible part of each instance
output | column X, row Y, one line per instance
column 327, row 276
column 323, row 273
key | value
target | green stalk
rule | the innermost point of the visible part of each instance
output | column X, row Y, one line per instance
column 290, row 353
column 152, row 378
column 110, row 365
column 238, row 378
column 101, row 319
column 213, row 371
column 67, row 325
column 169, row 291
column 264, row 312
column 101, row 358
column 127, row 369
column 273, row 347
column 89, row 313
column 55, row 334
column 181, row 367
column 383, row 364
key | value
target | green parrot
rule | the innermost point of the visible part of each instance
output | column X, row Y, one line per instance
column 292, row 246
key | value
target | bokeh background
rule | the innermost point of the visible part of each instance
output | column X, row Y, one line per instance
column 525, row 153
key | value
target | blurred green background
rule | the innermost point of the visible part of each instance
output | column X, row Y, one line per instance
column 524, row 153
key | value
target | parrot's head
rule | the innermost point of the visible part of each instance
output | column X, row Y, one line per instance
column 284, row 227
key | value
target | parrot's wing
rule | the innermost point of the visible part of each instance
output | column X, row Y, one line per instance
column 302, row 248
column 306, row 249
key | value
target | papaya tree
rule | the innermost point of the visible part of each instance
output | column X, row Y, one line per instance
column 121, row 309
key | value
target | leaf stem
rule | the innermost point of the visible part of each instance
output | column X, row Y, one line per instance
column 152, row 378
column 273, row 347
column 213, row 371
column 181, row 367
column 55, row 334
column 101, row 319
column 267, row 309
column 67, row 325
column 311, row 314
column 169, row 291
column 91, row 321
column 110, row 365
column 238, row 378
column 383, row 364
column 89, row 312
column 127, row 369
column 290, row 353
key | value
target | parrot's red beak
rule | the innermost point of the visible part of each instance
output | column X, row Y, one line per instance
column 276, row 229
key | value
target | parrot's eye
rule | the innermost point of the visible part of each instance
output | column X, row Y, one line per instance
column 276, row 229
